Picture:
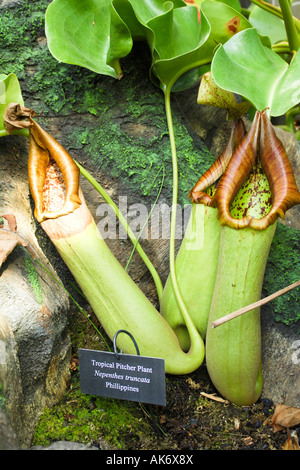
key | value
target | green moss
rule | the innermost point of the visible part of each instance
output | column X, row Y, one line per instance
column 20, row 27
column 2, row 398
column 33, row 279
column 86, row 419
column 129, row 139
column 283, row 269
column 30, row 21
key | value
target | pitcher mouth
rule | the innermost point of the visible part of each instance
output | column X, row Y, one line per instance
column 53, row 174
column 260, row 152
column 54, row 189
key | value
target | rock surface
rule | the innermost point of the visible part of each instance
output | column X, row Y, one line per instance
column 281, row 362
column 8, row 439
column 65, row 445
column 34, row 337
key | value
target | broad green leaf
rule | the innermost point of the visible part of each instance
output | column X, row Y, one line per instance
column 224, row 20
column 267, row 24
column 145, row 12
column 244, row 66
column 232, row 3
column 126, row 13
column 136, row 13
column 10, row 92
column 180, row 43
column 97, row 33
column 167, row 32
column 89, row 33
column 148, row 10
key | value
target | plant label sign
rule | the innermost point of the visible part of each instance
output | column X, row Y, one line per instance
column 122, row 376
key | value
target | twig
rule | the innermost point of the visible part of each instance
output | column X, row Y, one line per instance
column 239, row 312
column 214, row 397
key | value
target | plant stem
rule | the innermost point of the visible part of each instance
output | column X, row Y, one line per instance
column 269, row 7
column 282, row 48
column 135, row 242
column 23, row 132
column 167, row 88
column 273, row 9
column 174, row 198
column 289, row 23
column 186, row 316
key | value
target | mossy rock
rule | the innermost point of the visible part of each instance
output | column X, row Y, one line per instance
column 283, row 269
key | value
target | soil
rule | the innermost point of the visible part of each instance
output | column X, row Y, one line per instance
column 192, row 419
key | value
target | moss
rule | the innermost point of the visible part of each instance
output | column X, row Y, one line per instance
column 2, row 398
column 87, row 419
column 129, row 139
column 283, row 269
column 136, row 165
column 33, row 279
column 20, row 26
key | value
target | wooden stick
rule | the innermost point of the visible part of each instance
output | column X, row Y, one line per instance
column 239, row 312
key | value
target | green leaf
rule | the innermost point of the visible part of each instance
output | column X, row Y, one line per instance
column 97, row 33
column 267, row 24
column 225, row 21
column 232, row 3
column 180, row 43
column 126, row 13
column 146, row 11
column 10, row 92
column 170, row 28
column 89, row 33
column 244, row 66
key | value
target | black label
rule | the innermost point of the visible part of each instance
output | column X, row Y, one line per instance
column 122, row 376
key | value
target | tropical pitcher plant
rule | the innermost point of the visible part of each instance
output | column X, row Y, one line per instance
column 235, row 203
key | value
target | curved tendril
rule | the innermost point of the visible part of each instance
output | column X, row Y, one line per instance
column 210, row 177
